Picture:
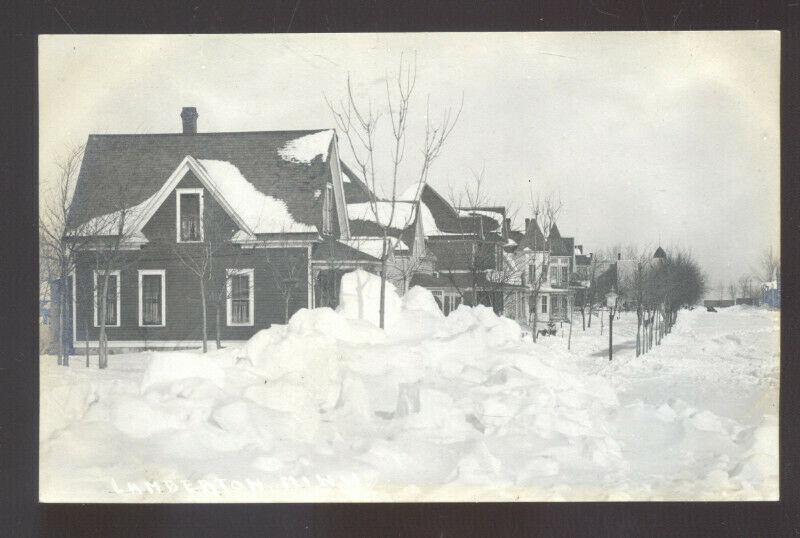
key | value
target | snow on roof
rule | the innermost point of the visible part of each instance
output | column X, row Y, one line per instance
column 494, row 215
column 108, row 224
column 402, row 218
column 260, row 212
column 306, row 148
column 373, row 246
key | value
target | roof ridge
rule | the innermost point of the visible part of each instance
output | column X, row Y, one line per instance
column 215, row 133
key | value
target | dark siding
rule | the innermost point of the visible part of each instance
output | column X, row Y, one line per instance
column 183, row 301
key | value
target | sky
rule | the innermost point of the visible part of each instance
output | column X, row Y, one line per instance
column 645, row 138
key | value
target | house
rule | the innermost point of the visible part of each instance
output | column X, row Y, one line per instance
column 551, row 294
column 263, row 213
column 771, row 291
column 466, row 246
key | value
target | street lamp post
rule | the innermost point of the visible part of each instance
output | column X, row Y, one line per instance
column 611, row 302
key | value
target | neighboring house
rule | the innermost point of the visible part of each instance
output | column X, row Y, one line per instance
column 270, row 198
column 771, row 291
column 555, row 256
column 467, row 245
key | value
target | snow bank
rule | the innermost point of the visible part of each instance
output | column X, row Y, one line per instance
column 432, row 408
column 168, row 367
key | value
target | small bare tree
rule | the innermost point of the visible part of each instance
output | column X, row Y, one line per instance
column 732, row 286
column 545, row 212
column 288, row 270
column 359, row 124
column 57, row 246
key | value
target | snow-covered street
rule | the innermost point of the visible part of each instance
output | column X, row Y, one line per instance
column 435, row 408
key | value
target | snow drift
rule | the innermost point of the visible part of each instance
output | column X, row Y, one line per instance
column 330, row 406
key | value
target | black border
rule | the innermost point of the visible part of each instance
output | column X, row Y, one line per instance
column 23, row 516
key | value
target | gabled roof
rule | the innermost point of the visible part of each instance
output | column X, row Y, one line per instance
column 532, row 238
column 289, row 166
column 660, row 253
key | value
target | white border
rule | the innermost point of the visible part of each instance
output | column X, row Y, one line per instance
column 163, row 275
column 178, row 192
column 119, row 298
column 229, row 299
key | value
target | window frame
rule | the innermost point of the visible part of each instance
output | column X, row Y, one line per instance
column 163, row 274
column 543, row 304
column 327, row 209
column 229, row 297
column 95, row 302
column 178, row 193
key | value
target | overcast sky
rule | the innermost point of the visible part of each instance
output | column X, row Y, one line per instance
column 641, row 135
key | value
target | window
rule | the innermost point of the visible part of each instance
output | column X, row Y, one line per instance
column 564, row 305
column 565, row 274
column 451, row 302
column 544, row 273
column 112, row 298
column 152, row 300
column 544, row 304
column 327, row 209
column 240, row 297
column 189, row 213
column 531, row 273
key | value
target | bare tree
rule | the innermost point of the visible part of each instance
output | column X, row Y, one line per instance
column 770, row 265
column 545, row 212
column 732, row 290
column 288, row 270
column 359, row 124
column 57, row 246
column 116, row 238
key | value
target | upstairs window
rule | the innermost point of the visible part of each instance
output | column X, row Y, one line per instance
column 564, row 274
column 112, row 298
column 152, row 302
column 532, row 273
column 240, row 297
column 189, row 212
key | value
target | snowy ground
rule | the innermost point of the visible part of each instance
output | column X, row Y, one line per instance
column 314, row 411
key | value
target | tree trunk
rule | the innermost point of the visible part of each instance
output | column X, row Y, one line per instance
column 102, row 349
column 62, row 299
column 86, row 340
column 638, row 332
column 286, row 309
column 591, row 311
column 535, row 318
column 382, row 305
column 583, row 318
column 569, row 338
column 217, row 337
column 205, row 314
column 601, row 322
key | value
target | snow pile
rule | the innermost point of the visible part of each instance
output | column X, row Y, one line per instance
column 305, row 149
column 330, row 407
column 260, row 213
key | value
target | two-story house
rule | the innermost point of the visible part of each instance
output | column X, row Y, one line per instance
column 241, row 205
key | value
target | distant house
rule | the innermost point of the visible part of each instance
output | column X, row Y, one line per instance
column 771, row 291
column 557, row 257
column 467, row 245
column 270, row 195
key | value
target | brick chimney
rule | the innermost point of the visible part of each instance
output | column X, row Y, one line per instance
column 189, row 117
